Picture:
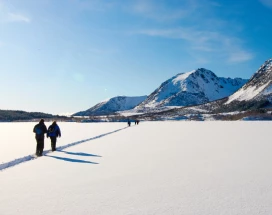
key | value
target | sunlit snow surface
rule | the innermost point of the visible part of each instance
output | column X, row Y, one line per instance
column 199, row 168
column 18, row 139
column 248, row 93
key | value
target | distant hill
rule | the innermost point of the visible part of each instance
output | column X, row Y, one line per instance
column 112, row 105
column 13, row 115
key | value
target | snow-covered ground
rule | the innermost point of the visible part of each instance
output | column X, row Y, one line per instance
column 18, row 139
column 199, row 168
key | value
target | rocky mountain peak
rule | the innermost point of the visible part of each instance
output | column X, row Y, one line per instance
column 259, row 85
column 195, row 87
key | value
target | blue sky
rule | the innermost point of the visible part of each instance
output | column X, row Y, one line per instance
column 67, row 55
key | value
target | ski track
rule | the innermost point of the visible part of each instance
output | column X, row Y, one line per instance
column 17, row 161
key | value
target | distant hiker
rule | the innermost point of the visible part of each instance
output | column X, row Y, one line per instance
column 138, row 122
column 135, row 122
column 40, row 129
column 129, row 122
column 53, row 133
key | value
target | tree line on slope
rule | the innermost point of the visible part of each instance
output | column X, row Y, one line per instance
column 13, row 115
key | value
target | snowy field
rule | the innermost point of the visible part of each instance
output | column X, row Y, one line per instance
column 180, row 168
column 18, row 139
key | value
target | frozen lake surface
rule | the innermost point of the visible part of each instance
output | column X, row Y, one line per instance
column 199, row 168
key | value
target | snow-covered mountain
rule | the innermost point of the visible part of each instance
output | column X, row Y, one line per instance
column 191, row 88
column 253, row 98
column 110, row 106
column 259, row 87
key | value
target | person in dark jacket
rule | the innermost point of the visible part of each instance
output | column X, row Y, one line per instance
column 53, row 133
column 129, row 122
column 40, row 129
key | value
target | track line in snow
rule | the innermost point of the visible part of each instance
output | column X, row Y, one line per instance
column 17, row 161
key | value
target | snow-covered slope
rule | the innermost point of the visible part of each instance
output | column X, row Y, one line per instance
column 258, row 87
column 191, row 88
column 110, row 106
column 256, row 94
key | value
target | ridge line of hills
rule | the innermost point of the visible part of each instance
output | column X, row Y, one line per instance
column 193, row 95
column 19, row 115
column 184, row 89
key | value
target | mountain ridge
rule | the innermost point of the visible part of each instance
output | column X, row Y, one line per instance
column 192, row 88
column 112, row 105
column 254, row 98
column 184, row 89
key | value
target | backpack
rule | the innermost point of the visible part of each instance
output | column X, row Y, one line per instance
column 38, row 131
column 52, row 131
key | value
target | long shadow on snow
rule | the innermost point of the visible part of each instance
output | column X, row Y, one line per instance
column 32, row 157
column 79, row 153
column 70, row 159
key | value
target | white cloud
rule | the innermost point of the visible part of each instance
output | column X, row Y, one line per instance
column 267, row 3
column 13, row 17
column 208, row 34
column 240, row 56
column 8, row 16
column 199, row 39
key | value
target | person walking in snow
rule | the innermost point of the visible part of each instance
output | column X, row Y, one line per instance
column 53, row 133
column 40, row 129
column 129, row 122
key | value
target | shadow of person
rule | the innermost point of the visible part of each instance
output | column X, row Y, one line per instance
column 70, row 159
column 79, row 153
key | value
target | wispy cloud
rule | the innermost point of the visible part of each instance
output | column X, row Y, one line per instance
column 240, row 56
column 198, row 37
column 205, row 41
column 198, row 26
column 13, row 17
column 267, row 3
column 160, row 11
column 9, row 16
column 93, row 5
